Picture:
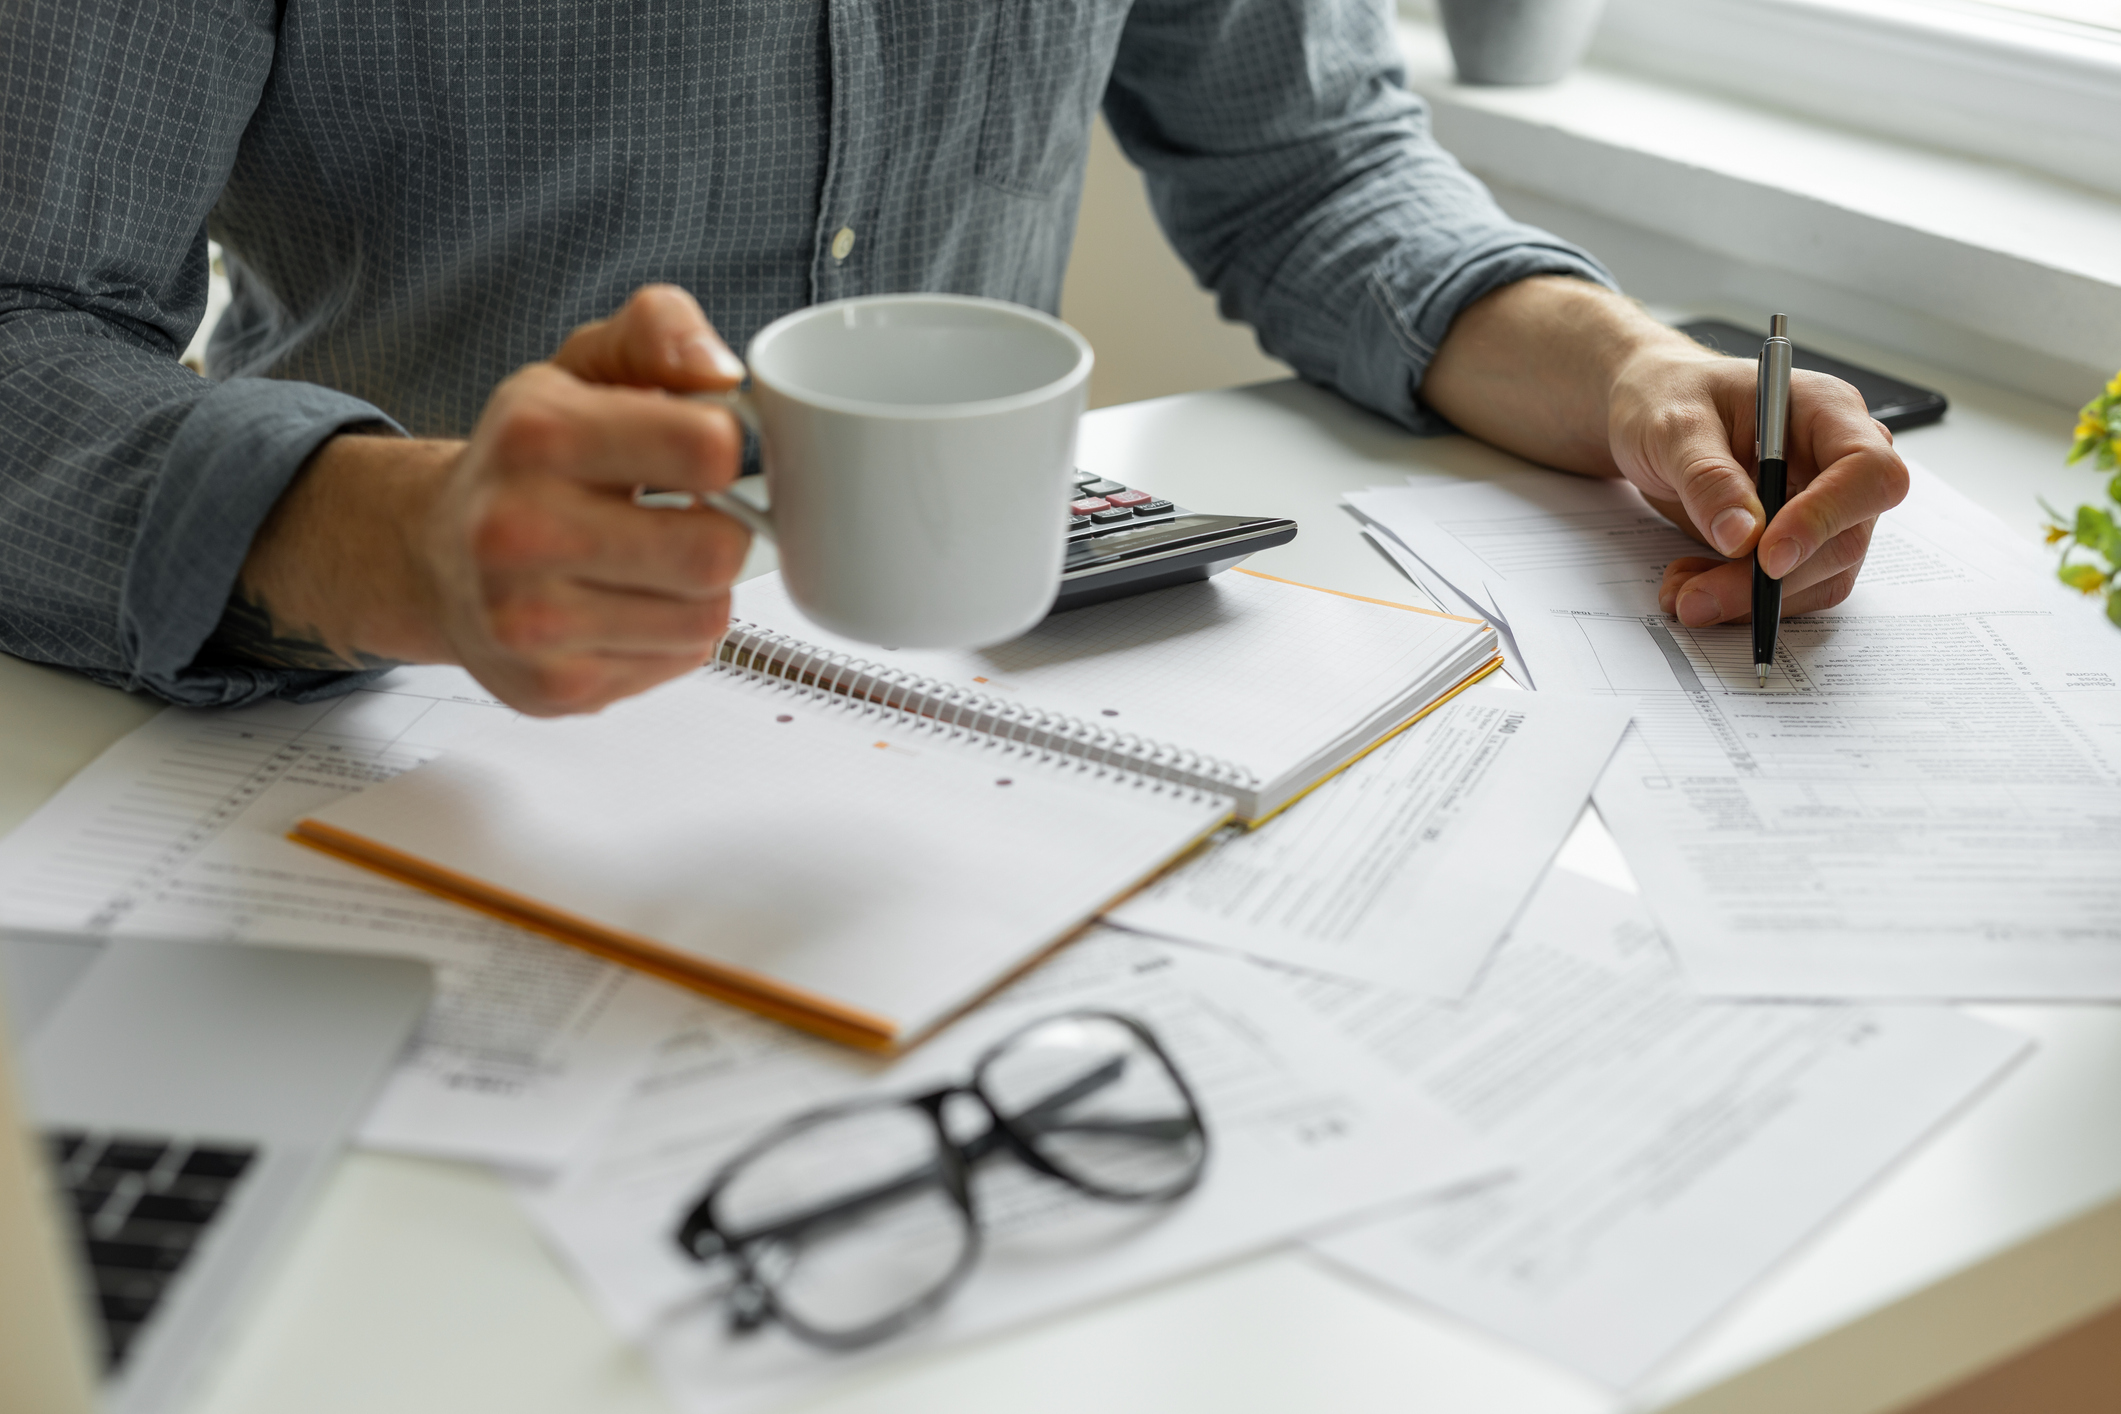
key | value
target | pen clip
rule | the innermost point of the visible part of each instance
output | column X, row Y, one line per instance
column 1771, row 399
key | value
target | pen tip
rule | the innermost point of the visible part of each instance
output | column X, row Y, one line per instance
column 1760, row 670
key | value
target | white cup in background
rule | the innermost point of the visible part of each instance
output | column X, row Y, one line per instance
column 919, row 453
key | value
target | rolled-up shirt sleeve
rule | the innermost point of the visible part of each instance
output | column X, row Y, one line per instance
column 130, row 487
column 1297, row 177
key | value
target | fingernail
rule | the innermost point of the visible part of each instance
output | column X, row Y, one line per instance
column 1730, row 528
column 706, row 354
column 1697, row 608
column 1782, row 559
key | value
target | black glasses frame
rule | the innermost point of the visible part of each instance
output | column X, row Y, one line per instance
column 751, row 1298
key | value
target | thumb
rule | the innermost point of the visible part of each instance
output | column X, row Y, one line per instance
column 660, row 339
column 1691, row 462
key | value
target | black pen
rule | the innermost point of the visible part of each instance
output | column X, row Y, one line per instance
column 1771, row 433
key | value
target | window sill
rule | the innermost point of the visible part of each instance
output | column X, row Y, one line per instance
column 2000, row 273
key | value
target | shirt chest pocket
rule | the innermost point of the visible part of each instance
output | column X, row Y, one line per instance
column 1051, row 60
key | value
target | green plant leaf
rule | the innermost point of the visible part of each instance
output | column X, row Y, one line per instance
column 2113, row 606
column 2086, row 579
column 2092, row 525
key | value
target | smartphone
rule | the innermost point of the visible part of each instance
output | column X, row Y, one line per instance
column 1896, row 404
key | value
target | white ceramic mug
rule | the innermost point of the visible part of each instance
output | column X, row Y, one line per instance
column 919, row 451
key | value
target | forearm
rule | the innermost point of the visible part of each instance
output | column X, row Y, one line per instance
column 1532, row 368
column 334, row 579
column 1298, row 178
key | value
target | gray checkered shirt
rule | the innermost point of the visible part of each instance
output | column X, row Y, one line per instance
column 418, row 196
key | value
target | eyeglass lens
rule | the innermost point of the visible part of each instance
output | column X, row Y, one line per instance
column 849, row 1221
column 1094, row 1099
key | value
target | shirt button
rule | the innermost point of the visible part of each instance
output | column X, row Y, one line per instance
column 842, row 242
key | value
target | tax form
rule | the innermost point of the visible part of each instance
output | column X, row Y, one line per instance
column 1670, row 1150
column 178, row 831
column 1303, row 1127
column 1924, row 802
column 1407, row 867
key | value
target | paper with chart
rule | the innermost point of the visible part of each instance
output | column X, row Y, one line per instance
column 1670, row 1150
column 1405, row 869
column 1303, row 1126
column 178, row 830
column 1924, row 802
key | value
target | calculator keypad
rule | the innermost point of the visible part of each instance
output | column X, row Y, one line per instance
column 1098, row 505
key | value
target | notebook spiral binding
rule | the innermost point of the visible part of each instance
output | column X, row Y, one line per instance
column 845, row 680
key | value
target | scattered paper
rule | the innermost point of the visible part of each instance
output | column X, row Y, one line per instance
column 178, row 831
column 1304, row 1127
column 1922, row 803
column 1444, row 594
column 1405, row 869
column 1671, row 1150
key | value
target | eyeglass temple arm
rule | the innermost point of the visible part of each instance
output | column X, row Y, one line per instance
column 1041, row 1118
column 844, row 1209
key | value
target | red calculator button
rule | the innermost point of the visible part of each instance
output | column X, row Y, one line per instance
column 1129, row 498
column 1090, row 506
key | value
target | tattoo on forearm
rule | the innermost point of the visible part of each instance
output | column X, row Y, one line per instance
column 248, row 634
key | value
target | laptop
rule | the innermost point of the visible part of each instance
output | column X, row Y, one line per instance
column 168, row 1110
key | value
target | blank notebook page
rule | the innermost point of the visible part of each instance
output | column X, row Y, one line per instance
column 878, row 866
column 1247, row 669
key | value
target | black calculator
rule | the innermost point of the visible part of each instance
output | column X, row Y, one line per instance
column 1122, row 540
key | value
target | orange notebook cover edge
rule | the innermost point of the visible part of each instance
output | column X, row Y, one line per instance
column 777, row 1001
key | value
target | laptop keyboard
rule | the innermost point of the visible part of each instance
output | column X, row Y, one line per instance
column 140, row 1206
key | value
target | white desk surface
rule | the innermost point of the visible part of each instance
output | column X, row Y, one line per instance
column 419, row 1287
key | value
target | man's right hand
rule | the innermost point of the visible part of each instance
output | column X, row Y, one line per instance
column 520, row 553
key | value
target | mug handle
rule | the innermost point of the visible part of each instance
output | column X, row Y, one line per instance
column 760, row 522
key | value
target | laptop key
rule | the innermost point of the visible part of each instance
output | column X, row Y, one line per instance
column 172, row 1208
column 133, row 1309
column 126, row 1284
column 133, row 1155
column 208, row 1162
column 140, row 1256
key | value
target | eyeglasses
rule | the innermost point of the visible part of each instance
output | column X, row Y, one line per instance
column 848, row 1224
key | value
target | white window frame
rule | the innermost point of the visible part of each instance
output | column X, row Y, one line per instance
column 1965, row 77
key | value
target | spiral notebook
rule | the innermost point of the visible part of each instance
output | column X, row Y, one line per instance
column 862, row 843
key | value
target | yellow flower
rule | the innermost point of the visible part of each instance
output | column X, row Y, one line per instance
column 2089, row 426
column 2113, row 389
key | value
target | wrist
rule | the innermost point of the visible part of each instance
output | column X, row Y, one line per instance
column 337, row 577
column 1540, row 367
